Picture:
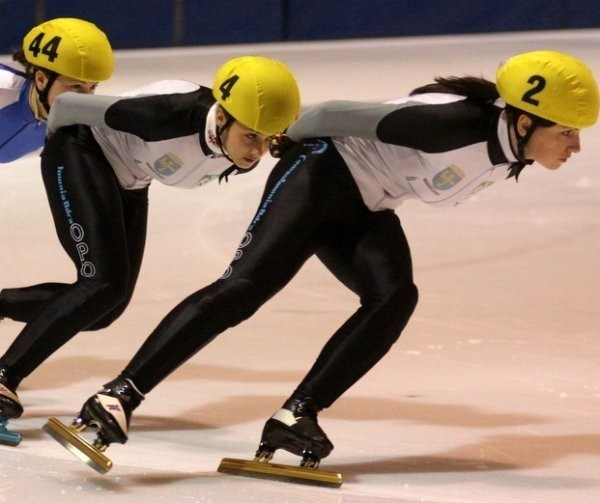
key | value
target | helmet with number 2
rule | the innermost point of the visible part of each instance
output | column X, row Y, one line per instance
column 71, row 47
column 259, row 92
column 552, row 85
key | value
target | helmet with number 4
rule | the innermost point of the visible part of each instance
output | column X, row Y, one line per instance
column 71, row 47
column 552, row 85
column 259, row 92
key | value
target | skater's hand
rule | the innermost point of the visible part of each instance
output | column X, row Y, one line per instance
column 279, row 144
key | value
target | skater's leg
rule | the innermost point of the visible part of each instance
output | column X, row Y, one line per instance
column 86, row 206
column 282, row 236
column 279, row 240
column 21, row 304
column 135, row 218
column 380, row 269
column 372, row 258
column 301, row 200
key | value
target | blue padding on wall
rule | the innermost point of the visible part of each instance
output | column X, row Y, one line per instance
column 232, row 21
column 164, row 23
column 128, row 23
column 322, row 19
column 581, row 14
column 14, row 24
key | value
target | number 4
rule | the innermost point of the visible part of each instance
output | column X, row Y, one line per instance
column 227, row 85
column 49, row 49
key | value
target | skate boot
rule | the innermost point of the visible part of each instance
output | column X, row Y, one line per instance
column 10, row 408
column 108, row 412
column 293, row 428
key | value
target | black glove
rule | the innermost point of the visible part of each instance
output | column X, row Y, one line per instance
column 279, row 144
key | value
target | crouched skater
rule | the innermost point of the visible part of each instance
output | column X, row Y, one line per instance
column 333, row 194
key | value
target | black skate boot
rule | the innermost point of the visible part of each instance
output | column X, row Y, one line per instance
column 108, row 412
column 294, row 428
column 10, row 407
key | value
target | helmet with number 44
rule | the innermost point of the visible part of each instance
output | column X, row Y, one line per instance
column 71, row 47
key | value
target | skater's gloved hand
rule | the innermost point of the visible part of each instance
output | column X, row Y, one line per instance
column 279, row 144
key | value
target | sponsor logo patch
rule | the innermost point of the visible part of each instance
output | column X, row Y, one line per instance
column 167, row 164
column 448, row 178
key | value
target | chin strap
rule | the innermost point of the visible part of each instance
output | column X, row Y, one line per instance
column 233, row 169
column 513, row 116
column 220, row 131
column 516, row 167
column 43, row 93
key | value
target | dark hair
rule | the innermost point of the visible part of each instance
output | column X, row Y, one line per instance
column 475, row 88
column 19, row 57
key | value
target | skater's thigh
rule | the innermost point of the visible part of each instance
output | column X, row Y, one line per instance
column 85, row 201
column 371, row 256
column 283, row 233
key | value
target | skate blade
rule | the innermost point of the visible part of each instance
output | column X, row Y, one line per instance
column 264, row 469
column 68, row 437
column 8, row 437
column 11, row 438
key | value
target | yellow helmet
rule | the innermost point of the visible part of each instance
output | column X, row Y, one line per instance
column 71, row 47
column 259, row 92
column 551, row 85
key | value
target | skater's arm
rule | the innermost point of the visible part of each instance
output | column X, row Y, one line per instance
column 74, row 108
column 430, row 127
column 340, row 118
column 152, row 118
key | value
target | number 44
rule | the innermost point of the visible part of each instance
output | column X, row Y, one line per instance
column 49, row 49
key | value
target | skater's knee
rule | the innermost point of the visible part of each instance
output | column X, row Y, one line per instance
column 109, row 318
column 402, row 295
column 108, row 298
column 410, row 296
column 402, row 302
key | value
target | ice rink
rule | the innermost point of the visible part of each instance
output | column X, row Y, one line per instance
column 491, row 395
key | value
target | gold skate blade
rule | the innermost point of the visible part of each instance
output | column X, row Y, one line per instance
column 264, row 469
column 68, row 437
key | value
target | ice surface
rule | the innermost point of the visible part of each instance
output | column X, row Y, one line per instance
column 491, row 395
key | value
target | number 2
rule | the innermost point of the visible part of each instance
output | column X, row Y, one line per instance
column 49, row 49
column 539, row 83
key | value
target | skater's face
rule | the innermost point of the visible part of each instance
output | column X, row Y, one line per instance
column 62, row 85
column 550, row 146
column 244, row 145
